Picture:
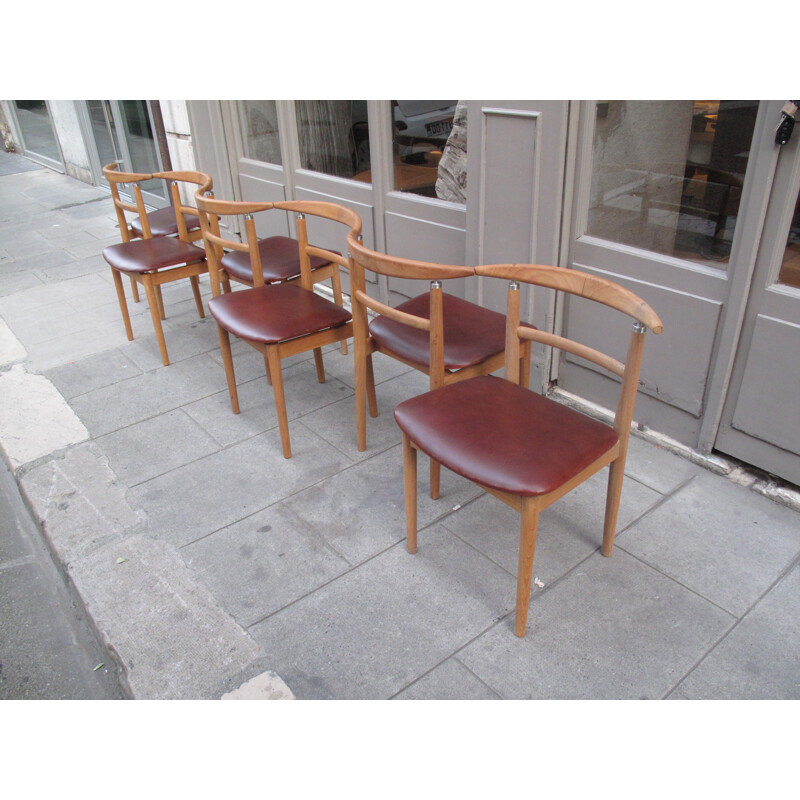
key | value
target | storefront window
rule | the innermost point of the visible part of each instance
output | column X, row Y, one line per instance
column 790, row 266
column 37, row 129
column 430, row 148
column 259, row 119
column 334, row 137
column 667, row 175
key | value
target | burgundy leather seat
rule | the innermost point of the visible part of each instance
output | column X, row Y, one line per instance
column 471, row 333
column 280, row 260
column 150, row 255
column 163, row 223
column 271, row 314
column 496, row 433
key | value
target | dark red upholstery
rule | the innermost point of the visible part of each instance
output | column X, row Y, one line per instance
column 280, row 260
column 150, row 255
column 163, row 222
column 498, row 434
column 471, row 333
column 271, row 314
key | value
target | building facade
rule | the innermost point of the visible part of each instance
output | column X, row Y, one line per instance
column 691, row 204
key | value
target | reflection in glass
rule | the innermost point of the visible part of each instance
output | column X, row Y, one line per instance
column 667, row 175
column 429, row 139
column 259, row 120
column 104, row 131
column 790, row 266
column 37, row 129
column 334, row 137
column 139, row 135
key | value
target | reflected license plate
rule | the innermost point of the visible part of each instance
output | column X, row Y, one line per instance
column 441, row 128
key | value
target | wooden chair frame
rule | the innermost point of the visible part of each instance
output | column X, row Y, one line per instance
column 115, row 179
column 153, row 281
column 330, row 270
column 365, row 345
column 211, row 211
column 592, row 288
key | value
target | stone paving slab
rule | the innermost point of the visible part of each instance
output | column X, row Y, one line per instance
column 612, row 629
column 195, row 500
column 758, row 660
column 27, row 400
column 379, row 627
column 168, row 631
column 724, row 544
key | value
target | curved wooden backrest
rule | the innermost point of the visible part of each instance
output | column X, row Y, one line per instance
column 202, row 180
column 395, row 267
column 590, row 287
column 212, row 209
column 228, row 208
column 318, row 208
column 115, row 177
column 578, row 283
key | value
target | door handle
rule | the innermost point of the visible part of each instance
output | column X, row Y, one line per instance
column 785, row 127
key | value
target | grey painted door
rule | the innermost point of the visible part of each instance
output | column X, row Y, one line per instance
column 668, row 199
column 516, row 167
column 761, row 417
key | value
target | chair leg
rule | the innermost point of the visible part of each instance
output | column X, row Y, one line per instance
column 525, row 365
column 527, row 547
column 227, row 360
column 319, row 364
column 153, row 292
column 362, row 391
column 160, row 297
column 123, row 305
column 266, row 367
column 371, row 396
column 616, row 473
column 134, row 291
column 410, row 484
column 280, row 399
column 336, row 284
column 197, row 299
column 436, row 474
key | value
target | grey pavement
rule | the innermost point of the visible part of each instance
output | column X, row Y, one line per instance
column 212, row 567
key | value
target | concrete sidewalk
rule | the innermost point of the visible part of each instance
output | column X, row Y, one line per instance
column 208, row 562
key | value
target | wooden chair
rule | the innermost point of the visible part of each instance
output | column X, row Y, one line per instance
column 155, row 260
column 522, row 447
column 161, row 222
column 447, row 338
column 278, row 258
column 277, row 319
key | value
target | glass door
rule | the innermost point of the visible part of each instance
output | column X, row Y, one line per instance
column 122, row 132
column 39, row 141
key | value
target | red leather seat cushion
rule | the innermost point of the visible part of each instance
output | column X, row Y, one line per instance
column 471, row 333
column 280, row 260
column 163, row 223
column 271, row 314
column 500, row 435
column 149, row 255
